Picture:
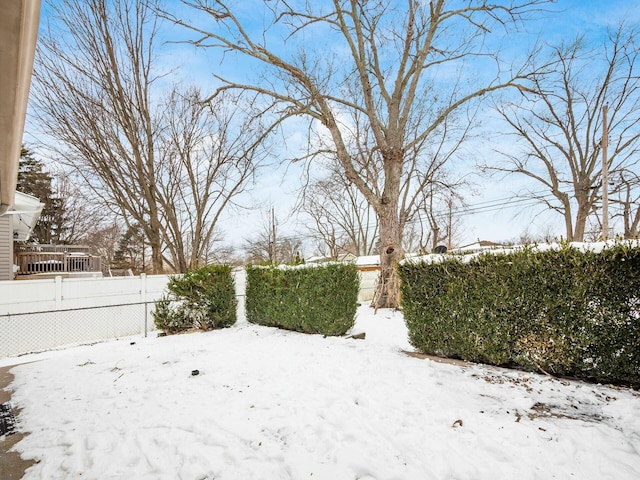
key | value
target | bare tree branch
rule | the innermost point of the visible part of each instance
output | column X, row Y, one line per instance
column 381, row 62
column 560, row 131
column 169, row 165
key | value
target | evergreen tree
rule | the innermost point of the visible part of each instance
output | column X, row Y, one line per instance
column 34, row 180
column 131, row 251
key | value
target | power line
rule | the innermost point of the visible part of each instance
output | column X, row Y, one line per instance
column 501, row 204
column 487, row 206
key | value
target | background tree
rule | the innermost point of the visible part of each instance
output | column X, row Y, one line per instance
column 105, row 241
column 341, row 218
column 210, row 152
column 259, row 250
column 438, row 221
column 526, row 237
column 268, row 247
column 34, row 180
column 161, row 161
column 68, row 216
column 560, row 126
column 82, row 216
column 626, row 195
column 131, row 253
column 225, row 255
column 367, row 68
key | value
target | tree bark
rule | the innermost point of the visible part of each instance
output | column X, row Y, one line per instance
column 387, row 294
column 582, row 214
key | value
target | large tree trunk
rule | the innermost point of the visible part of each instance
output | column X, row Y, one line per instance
column 387, row 293
column 568, row 225
column 155, row 241
column 582, row 214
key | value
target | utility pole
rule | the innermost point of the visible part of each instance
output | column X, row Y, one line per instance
column 605, row 175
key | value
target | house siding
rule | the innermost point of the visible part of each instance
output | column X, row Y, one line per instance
column 6, row 248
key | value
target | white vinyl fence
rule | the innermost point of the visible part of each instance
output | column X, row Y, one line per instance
column 37, row 315
column 368, row 282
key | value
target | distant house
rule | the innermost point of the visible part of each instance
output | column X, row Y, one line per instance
column 344, row 257
column 26, row 213
column 6, row 247
column 32, row 260
column 16, row 225
column 368, row 263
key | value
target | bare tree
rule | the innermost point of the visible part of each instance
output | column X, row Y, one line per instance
column 227, row 255
column 104, row 241
column 268, row 247
column 527, row 237
column 626, row 196
column 560, row 126
column 438, row 221
column 259, row 249
column 342, row 218
column 81, row 215
column 210, row 150
column 372, row 63
column 92, row 92
column 164, row 163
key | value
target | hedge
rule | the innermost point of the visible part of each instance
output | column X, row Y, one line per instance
column 311, row 299
column 562, row 311
column 203, row 299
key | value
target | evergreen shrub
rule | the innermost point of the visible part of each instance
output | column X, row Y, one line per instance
column 562, row 311
column 310, row 299
column 204, row 298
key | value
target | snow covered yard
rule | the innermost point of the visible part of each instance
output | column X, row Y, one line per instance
column 271, row 404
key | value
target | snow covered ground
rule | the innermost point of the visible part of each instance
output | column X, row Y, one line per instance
column 271, row 404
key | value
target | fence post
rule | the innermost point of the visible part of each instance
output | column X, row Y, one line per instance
column 143, row 299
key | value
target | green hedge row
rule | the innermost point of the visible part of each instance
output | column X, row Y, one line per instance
column 562, row 311
column 311, row 299
column 203, row 298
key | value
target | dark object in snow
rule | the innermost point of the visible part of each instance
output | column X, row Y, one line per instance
column 440, row 249
column 132, row 343
column 7, row 420
column 195, row 372
column 358, row 336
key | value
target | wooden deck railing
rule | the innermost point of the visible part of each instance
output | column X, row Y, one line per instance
column 48, row 262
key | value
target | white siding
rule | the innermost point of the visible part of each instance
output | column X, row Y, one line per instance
column 6, row 248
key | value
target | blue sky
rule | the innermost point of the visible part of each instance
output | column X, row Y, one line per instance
column 278, row 186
